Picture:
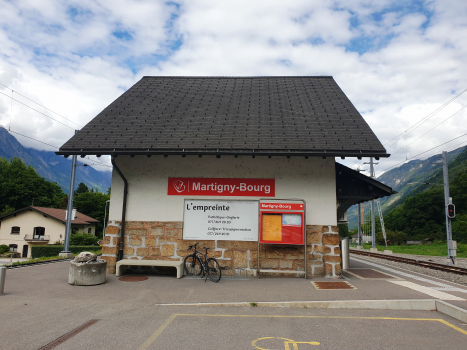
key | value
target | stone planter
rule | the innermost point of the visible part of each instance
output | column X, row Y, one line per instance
column 87, row 274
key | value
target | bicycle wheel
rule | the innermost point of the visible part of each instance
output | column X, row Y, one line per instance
column 192, row 265
column 214, row 271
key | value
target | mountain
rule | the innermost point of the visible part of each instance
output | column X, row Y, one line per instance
column 52, row 167
column 405, row 179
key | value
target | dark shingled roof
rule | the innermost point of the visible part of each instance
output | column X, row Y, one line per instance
column 297, row 116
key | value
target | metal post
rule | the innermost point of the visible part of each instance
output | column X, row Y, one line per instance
column 451, row 251
column 359, row 244
column 2, row 279
column 66, row 251
column 105, row 217
column 373, row 225
column 345, row 253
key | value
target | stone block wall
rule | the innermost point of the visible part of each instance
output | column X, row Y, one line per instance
column 158, row 240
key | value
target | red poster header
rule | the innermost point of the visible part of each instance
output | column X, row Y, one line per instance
column 282, row 206
column 179, row 186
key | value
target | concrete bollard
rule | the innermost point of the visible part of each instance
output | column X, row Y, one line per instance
column 2, row 279
column 87, row 274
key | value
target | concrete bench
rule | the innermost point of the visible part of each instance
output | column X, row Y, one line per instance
column 133, row 262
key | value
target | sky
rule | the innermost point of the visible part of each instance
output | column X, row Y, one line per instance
column 399, row 62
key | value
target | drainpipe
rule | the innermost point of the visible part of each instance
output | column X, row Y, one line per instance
column 125, row 191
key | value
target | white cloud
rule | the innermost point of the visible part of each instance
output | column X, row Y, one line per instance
column 397, row 61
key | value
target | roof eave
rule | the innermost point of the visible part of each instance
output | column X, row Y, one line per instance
column 219, row 152
column 368, row 179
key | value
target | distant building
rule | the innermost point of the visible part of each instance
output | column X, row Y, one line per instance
column 32, row 226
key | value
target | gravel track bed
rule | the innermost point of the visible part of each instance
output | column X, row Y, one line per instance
column 447, row 276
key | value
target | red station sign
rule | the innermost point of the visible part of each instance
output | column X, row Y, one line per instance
column 181, row 186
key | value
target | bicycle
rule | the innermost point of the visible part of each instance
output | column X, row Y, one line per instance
column 194, row 265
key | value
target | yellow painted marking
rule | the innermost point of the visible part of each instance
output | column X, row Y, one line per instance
column 287, row 343
column 295, row 344
column 153, row 337
column 453, row 327
column 253, row 343
column 338, row 317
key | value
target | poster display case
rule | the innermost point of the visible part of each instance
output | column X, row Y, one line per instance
column 282, row 222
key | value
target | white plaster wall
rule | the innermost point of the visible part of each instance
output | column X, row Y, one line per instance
column 310, row 179
column 26, row 221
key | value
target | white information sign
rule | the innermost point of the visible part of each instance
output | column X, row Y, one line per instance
column 220, row 220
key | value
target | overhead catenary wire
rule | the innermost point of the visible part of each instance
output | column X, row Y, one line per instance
column 40, row 105
column 463, row 143
column 420, row 122
column 9, row 127
column 45, row 143
column 452, row 115
column 424, row 152
column 11, row 109
column 48, row 144
column 38, row 111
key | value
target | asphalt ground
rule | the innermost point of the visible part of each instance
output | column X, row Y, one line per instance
column 40, row 307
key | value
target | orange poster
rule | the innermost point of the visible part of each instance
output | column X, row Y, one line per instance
column 272, row 227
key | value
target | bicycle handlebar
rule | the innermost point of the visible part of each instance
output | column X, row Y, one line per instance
column 190, row 247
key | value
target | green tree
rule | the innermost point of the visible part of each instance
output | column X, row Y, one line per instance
column 92, row 204
column 344, row 230
column 82, row 188
column 20, row 184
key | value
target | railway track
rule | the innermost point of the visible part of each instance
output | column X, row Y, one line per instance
column 35, row 263
column 430, row 265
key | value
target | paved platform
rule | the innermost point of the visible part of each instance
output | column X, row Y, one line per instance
column 164, row 312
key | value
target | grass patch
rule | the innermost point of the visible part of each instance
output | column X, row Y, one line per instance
column 253, row 304
column 434, row 249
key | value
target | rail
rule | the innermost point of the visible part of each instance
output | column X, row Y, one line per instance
column 430, row 265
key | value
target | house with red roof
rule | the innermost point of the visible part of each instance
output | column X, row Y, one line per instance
column 31, row 226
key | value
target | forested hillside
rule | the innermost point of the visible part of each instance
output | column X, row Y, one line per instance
column 422, row 215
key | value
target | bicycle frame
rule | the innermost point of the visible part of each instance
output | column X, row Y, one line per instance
column 204, row 263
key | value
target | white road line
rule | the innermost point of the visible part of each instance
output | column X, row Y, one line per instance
column 427, row 290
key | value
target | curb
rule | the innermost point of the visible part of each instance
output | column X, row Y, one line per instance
column 451, row 310
column 410, row 304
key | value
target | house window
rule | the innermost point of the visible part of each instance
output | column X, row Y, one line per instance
column 89, row 230
column 39, row 232
column 13, row 247
column 15, row 230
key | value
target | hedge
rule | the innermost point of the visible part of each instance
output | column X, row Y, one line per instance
column 54, row 250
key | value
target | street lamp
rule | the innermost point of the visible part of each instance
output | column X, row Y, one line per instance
column 105, row 217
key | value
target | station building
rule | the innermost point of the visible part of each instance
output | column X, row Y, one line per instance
column 243, row 165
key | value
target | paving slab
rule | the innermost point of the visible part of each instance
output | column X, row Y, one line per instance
column 45, row 307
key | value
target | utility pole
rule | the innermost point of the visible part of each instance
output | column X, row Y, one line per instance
column 66, row 249
column 452, row 246
column 359, row 244
column 373, row 234
column 105, row 217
